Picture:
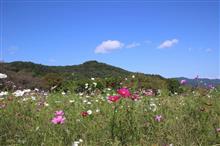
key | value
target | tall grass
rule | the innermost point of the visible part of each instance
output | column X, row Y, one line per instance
column 188, row 120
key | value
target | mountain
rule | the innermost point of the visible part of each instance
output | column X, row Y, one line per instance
column 31, row 75
column 88, row 69
column 204, row 82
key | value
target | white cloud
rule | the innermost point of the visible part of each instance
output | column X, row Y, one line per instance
column 133, row 45
column 168, row 43
column 108, row 46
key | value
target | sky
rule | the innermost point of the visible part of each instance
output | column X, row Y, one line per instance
column 169, row 38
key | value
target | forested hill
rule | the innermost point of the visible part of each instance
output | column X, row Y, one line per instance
column 30, row 75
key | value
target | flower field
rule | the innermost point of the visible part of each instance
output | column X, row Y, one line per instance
column 124, row 116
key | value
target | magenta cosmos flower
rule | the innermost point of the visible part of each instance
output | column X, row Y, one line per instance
column 114, row 98
column 124, row 92
column 158, row 118
column 182, row 82
column 59, row 113
column 58, row 120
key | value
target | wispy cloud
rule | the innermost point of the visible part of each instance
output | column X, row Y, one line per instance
column 132, row 45
column 108, row 46
column 168, row 43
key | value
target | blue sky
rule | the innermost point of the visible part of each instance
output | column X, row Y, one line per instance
column 170, row 38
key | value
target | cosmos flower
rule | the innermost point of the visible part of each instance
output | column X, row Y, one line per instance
column 59, row 113
column 89, row 112
column 3, row 93
column 135, row 97
column 124, row 92
column 71, row 101
column 3, row 76
column 95, row 84
column 114, row 98
column 58, row 120
column 211, row 86
column 153, row 107
column 84, row 114
column 218, row 129
column 182, row 82
column 158, row 118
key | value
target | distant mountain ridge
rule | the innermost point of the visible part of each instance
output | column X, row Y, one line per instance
column 200, row 81
column 30, row 75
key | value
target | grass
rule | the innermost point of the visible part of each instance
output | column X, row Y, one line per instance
column 189, row 120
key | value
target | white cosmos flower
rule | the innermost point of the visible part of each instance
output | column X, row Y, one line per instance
column 71, row 101
column 3, row 93
column 24, row 99
column 27, row 90
column 153, row 107
column 63, row 93
column 95, row 84
column 84, row 100
column 76, row 143
column 89, row 112
column 89, row 102
column 18, row 93
column 97, row 110
column 33, row 97
column 3, row 76
column 133, row 76
column 80, row 140
column 93, row 79
column 46, row 104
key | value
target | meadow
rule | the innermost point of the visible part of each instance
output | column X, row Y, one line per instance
column 123, row 116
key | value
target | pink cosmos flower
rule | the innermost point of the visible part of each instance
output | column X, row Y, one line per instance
column 124, row 92
column 182, row 82
column 59, row 113
column 114, row 98
column 58, row 120
column 135, row 97
column 158, row 118
column 211, row 87
column 218, row 129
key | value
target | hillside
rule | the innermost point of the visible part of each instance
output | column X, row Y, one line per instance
column 31, row 75
column 87, row 69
